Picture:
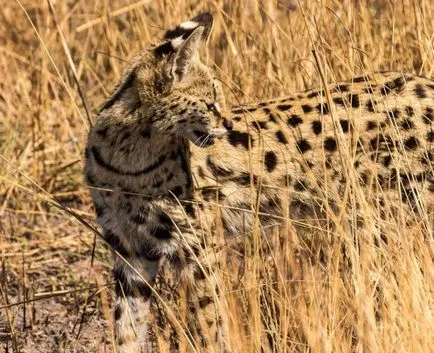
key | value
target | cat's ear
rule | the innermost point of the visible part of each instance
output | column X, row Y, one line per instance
column 175, row 38
column 181, row 45
column 187, row 52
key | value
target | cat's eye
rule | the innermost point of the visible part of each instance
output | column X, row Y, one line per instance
column 213, row 108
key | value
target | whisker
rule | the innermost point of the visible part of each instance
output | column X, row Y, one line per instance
column 197, row 140
column 205, row 140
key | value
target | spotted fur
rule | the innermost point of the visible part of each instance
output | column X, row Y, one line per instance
column 165, row 156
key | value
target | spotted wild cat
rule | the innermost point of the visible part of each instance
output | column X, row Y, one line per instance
column 165, row 153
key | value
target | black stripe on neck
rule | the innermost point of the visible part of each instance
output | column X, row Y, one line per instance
column 101, row 162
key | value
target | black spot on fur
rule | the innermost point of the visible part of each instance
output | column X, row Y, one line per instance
column 217, row 170
column 361, row 79
column 129, row 288
column 141, row 216
column 244, row 179
column 354, row 100
column 339, row 100
column 420, row 91
column 284, row 107
column 272, row 118
column 303, row 145
column 169, row 177
column 287, row 180
column 294, row 120
column 395, row 113
column 330, row 144
column 185, row 169
column 173, row 106
column 370, row 106
column 407, row 124
column 161, row 233
column 149, row 253
column 369, row 90
column 411, row 143
column 156, row 184
column 205, row 301
column 312, row 94
column 371, row 125
column 385, row 90
column 189, row 210
column 316, row 127
column 99, row 210
column 387, row 160
column 174, row 155
column 118, row 313
column 364, row 178
column 380, row 142
column 430, row 136
column 177, row 191
column 301, row 185
column 236, row 118
column 212, row 193
column 102, row 131
column 258, row 125
column 200, row 172
column 409, row 111
column 113, row 240
column 146, row 133
column 281, row 137
column 345, row 125
column 396, row 85
column 427, row 158
column 124, row 137
column 323, row 108
column 306, row 108
column 428, row 116
column 341, row 88
column 270, row 161
column 236, row 138
column 199, row 274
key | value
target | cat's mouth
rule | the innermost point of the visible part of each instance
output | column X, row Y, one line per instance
column 203, row 139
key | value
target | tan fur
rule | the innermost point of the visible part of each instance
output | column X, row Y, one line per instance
column 165, row 157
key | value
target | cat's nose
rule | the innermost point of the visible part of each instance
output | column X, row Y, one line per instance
column 227, row 124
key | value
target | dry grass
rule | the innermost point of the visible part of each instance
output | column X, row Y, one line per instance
column 58, row 58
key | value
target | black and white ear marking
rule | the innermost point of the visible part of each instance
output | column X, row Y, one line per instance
column 186, row 52
column 184, row 29
column 175, row 38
